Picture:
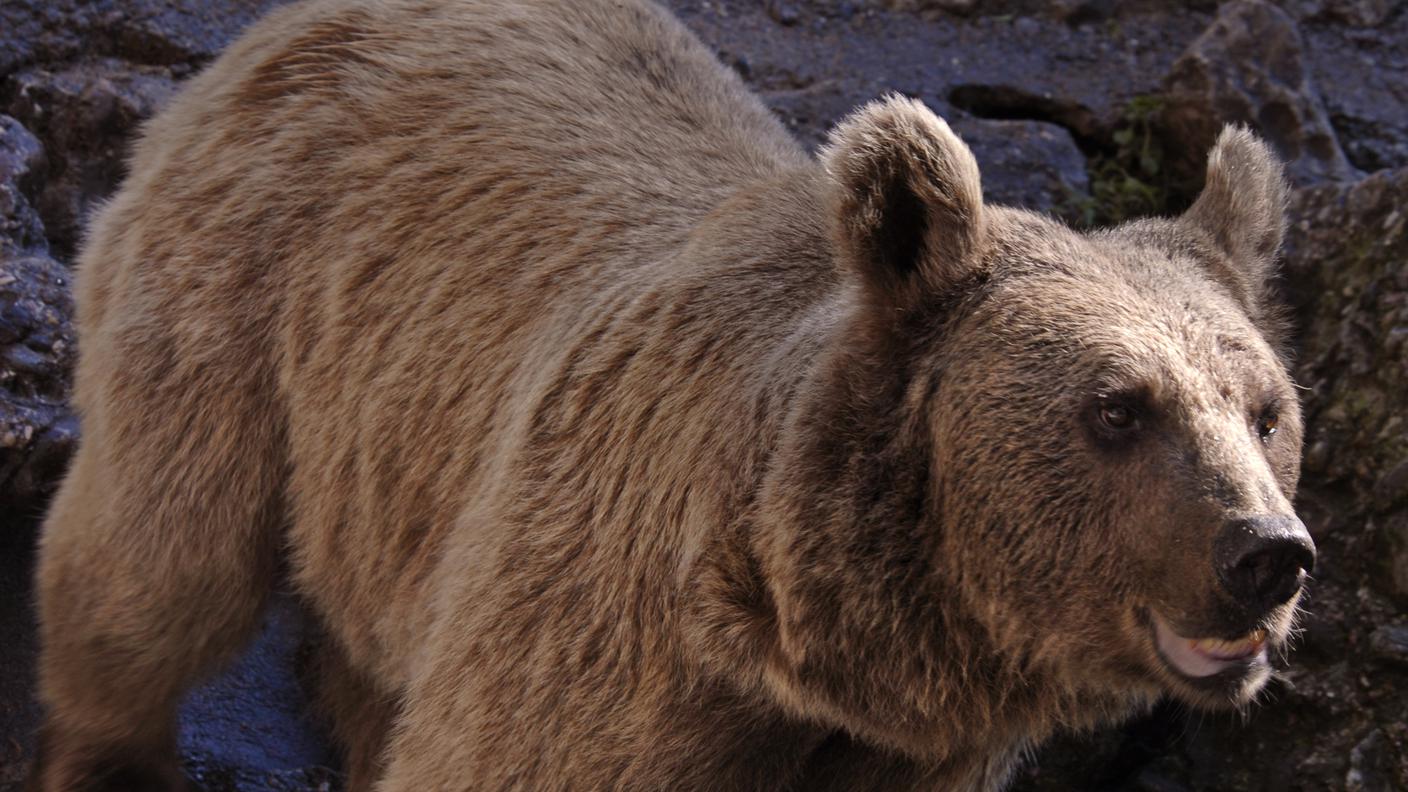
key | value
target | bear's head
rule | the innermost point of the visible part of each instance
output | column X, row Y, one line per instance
column 1084, row 445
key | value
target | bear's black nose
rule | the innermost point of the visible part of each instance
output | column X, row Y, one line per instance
column 1259, row 559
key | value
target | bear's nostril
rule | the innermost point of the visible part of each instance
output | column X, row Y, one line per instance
column 1260, row 559
column 1272, row 575
column 1261, row 567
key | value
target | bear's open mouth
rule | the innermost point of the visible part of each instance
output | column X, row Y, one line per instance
column 1203, row 657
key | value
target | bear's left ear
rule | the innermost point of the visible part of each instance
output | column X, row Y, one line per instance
column 1242, row 208
column 906, row 200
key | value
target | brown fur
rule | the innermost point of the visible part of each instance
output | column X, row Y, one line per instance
column 617, row 442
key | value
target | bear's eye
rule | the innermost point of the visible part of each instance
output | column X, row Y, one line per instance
column 1266, row 424
column 1115, row 420
column 1117, row 416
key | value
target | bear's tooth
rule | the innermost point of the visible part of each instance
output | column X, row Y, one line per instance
column 1226, row 649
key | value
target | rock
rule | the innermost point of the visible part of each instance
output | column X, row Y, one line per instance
column 160, row 32
column 1249, row 68
column 1027, row 163
column 21, row 166
column 1393, row 547
column 1151, row 781
column 1072, row 12
column 1323, row 637
column 1344, row 273
column 931, row 7
column 999, row 101
column 1373, row 145
column 1390, row 643
column 1392, row 487
column 1357, row 13
column 1002, row 67
column 32, row 30
column 152, row 32
column 1366, row 766
column 37, row 428
column 1364, row 77
column 85, row 115
column 784, row 12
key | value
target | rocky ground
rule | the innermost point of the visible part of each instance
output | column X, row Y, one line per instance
column 1092, row 109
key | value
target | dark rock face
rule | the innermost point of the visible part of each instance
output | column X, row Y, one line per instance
column 1390, row 643
column 1249, row 68
column 85, row 114
column 1351, row 13
column 1092, row 109
column 1355, row 360
column 76, row 77
column 37, row 428
column 1363, row 74
column 154, row 32
column 1031, row 164
column 21, row 170
column 1008, row 67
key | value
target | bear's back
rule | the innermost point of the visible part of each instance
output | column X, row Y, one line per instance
column 412, row 215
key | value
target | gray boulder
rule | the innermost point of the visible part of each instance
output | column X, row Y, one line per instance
column 1249, row 67
column 85, row 115
column 37, row 428
column 1030, row 164
column 1345, row 271
column 21, row 169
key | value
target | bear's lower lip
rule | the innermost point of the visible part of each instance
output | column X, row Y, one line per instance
column 1204, row 657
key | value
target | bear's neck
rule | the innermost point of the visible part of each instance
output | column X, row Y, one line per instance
column 871, row 633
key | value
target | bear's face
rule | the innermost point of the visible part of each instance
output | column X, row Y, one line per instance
column 1114, row 442
column 1117, row 447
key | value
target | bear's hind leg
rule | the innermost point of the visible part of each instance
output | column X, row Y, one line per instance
column 154, row 565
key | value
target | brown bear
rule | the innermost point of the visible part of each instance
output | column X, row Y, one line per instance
column 618, row 443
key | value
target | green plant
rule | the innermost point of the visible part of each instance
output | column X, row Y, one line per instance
column 1127, row 175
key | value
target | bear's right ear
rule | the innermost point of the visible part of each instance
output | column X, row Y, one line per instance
column 1242, row 209
column 906, row 200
